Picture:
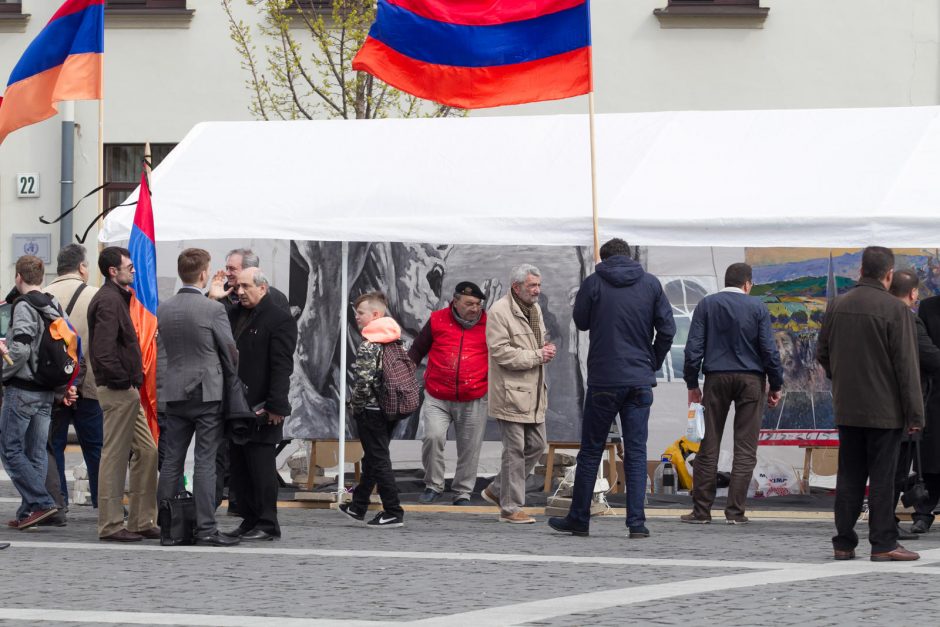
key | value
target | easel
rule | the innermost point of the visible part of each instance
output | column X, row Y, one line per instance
column 576, row 446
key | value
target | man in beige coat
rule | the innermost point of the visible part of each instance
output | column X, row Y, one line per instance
column 74, row 294
column 518, row 395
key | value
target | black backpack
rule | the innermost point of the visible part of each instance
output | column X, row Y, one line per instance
column 56, row 364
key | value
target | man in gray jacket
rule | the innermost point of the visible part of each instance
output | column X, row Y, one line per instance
column 196, row 339
column 27, row 402
column 868, row 347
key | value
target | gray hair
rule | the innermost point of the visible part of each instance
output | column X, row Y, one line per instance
column 522, row 272
column 70, row 258
column 259, row 278
column 249, row 258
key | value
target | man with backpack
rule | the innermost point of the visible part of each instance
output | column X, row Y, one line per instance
column 384, row 391
column 31, row 376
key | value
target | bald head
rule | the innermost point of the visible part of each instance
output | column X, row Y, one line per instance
column 252, row 286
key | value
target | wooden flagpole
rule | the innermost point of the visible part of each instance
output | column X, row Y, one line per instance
column 597, row 246
column 101, row 192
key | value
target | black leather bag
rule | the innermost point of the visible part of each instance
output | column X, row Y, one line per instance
column 915, row 490
column 177, row 520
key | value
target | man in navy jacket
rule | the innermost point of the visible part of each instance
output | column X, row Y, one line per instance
column 631, row 330
column 731, row 334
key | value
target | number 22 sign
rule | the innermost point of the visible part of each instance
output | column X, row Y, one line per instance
column 27, row 185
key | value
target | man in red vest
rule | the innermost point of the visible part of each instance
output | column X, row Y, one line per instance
column 454, row 340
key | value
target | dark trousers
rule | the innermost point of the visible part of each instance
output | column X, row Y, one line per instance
column 375, row 433
column 253, row 474
column 87, row 418
column 746, row 391
column 601, row 406
column 924, row 511
column 866, row 455
column 181, row 421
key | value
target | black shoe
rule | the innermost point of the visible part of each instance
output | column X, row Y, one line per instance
column 258, row 535
column 4, row 545
column 562, row 524
column 347, row 509
column 383, row 520
column 56, row 520
column 217, row 539
column 462, row 501
column 237, row 532
column 639, row 532
column 906, row 535
column 428, row 496
column 920, row 526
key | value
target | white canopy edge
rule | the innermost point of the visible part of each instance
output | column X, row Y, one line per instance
column 816, row 178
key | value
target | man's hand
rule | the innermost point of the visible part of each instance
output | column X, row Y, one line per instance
column 273, row 419
column 695, row 396
column 548, row 353
column 914, row 430
column 217, row 289
column 71, row 395
column 773, row 397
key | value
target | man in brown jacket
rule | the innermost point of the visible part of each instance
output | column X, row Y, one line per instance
column 868, row 347
column 116, row 361
column 518, row 395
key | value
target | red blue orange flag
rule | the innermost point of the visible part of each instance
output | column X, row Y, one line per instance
column 481, row 53
column 62, row 63
column 144, row 303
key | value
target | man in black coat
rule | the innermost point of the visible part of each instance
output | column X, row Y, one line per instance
column 929, row 314
column 266, row 336
column 905, row 285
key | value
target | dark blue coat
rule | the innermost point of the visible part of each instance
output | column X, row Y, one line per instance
column 622, row 305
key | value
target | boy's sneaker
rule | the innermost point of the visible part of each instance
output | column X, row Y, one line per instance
column 740, row 520
column 347, row 509
column 383, row 520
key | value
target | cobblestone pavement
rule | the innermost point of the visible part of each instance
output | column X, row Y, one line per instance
column 464, row 569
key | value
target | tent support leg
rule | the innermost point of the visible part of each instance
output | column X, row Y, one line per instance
column 343, row 341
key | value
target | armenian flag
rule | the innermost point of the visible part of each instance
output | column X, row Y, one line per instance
column 62, row 63
column 144, row 303
column 481, row 53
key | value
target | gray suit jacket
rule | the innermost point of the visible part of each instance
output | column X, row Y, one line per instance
column 196, row 346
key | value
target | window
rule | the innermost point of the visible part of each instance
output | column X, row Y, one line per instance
column 147, row 14
column 684, row 293
column 712, row 14
column 12, row 18
column 122, row 166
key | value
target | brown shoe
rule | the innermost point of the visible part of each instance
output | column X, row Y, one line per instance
column 692, row 519
column 516, row 518
column 900, row 554
column 843, row 555
column 489, row 497
column 122, row 536
column 149, row 534
column 35, row 517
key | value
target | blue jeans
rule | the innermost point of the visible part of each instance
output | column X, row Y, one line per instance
column 87, row 417
column 601, row 406
column 24, row 431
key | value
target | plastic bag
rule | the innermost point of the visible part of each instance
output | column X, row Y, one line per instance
column 695, row 430
column 774, row 478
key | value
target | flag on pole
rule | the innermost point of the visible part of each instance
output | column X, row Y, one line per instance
column 481, row 53
column 144, row 301
column 62, row 63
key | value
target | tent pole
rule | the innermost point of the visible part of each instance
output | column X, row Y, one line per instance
column 343, row 340
column 597, row 246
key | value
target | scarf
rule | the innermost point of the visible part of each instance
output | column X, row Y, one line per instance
column 531, row 314
column 463, row 322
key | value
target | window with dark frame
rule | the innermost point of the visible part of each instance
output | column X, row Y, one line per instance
column 144, row 5
column 8, row 6
column 737, row 11
column 122, row 167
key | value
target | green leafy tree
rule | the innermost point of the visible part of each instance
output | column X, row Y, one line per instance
column 304, row 69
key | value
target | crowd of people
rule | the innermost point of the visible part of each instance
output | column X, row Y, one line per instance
column 226, row 346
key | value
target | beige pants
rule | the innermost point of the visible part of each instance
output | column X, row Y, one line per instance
column 126, row 437
column 523, row 445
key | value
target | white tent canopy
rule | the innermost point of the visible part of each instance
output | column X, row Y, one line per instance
column 826, row 178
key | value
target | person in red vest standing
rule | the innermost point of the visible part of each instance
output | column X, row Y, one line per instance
column 454, row 340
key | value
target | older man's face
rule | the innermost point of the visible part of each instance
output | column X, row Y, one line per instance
column 468, row 307
column 249, row 294
column 528, row 291
column 233, row 267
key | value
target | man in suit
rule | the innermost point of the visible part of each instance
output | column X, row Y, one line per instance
column 266, row 336
column 923, row 517
column 197, row 341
